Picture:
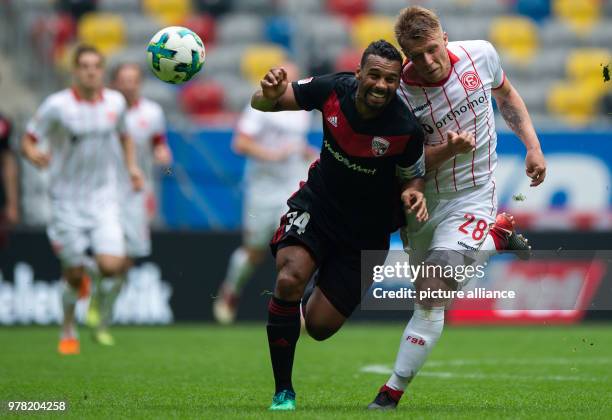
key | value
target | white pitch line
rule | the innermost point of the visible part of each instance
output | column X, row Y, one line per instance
column 510, row 361
column 386, row 370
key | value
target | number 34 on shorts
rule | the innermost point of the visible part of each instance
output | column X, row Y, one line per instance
column 299, row 220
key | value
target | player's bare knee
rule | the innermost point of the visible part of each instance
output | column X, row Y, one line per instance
column 74, row 276
column 110, row 266
column 290, row 284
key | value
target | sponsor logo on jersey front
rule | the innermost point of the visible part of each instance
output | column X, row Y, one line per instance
column 380, row 146
column 333, row 120
column 470, row 80
column 344, row 160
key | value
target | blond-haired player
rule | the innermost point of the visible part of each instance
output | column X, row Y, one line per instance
column 82, row 125
column 450, row 86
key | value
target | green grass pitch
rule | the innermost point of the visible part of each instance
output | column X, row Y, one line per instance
column 205, row 371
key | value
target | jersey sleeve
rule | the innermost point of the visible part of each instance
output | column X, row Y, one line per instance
column 312, row 92
column 251, row 122
column 5, row 134
column 44, row 120
column 412, row 163
column 494, row 65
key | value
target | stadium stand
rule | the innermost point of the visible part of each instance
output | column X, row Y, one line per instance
column 106, row 31
column 552, row 50
column 515, row 36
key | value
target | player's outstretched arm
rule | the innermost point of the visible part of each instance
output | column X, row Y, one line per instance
column 514, row 111
column 276, row 93
column 455, row 144
column 32, row 153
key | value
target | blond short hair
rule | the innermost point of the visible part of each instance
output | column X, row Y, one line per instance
column 416, row 23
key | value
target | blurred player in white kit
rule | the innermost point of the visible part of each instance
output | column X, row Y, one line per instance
column 83, row 125
column 278, row 154
column 146, row 126
column 450, row 86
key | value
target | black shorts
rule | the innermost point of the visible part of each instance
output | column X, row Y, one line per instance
column 339, row 266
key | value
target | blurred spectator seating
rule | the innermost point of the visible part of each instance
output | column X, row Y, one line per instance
column 213, row 7
column 168, row 12
column 203, row 25
column 348, row 8
column 279, row 30
column 76, row 8
column 119, row 6
column 575, row 102
column 52, row 33
column 201, row 98
column 515, row 36
column 368, row 28
column 348, row 60
column 239, row 29
column 535, row 9
column 104, row 30
column 258, row 59
column 580, row 14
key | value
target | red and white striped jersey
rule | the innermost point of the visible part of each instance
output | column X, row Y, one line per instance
column 82, row 135
column 146, row 126
column 461, row 101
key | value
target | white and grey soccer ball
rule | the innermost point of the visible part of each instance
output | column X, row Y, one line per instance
column 175, row 54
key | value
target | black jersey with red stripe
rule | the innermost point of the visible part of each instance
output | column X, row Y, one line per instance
column 354, row 183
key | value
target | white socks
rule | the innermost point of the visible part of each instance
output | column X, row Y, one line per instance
column 238, row 271
column 69, row 298
column 109, row 289
column 419, row 338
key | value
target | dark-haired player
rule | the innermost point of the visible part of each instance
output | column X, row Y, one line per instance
column 349, row 203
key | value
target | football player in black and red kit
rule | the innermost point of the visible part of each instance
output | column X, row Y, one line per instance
column 371, row 163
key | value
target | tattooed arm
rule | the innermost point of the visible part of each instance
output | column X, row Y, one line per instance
column 514, row 111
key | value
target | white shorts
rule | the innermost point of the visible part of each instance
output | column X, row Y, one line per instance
column 457, row 221
column 135, row 223
column 72, row 234
column 261, row 218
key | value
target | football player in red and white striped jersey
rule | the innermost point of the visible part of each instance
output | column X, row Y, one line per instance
column 82, row 124
column 450, row 87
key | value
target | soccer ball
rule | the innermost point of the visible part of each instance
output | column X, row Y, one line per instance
column 175, row 54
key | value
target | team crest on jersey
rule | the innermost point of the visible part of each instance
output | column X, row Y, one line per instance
column 333, row 120
column 470, row 80
column 112, row 116
column 380, row 146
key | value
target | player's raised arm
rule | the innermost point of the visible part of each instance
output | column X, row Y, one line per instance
column 513, row 109
column 276, row 93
